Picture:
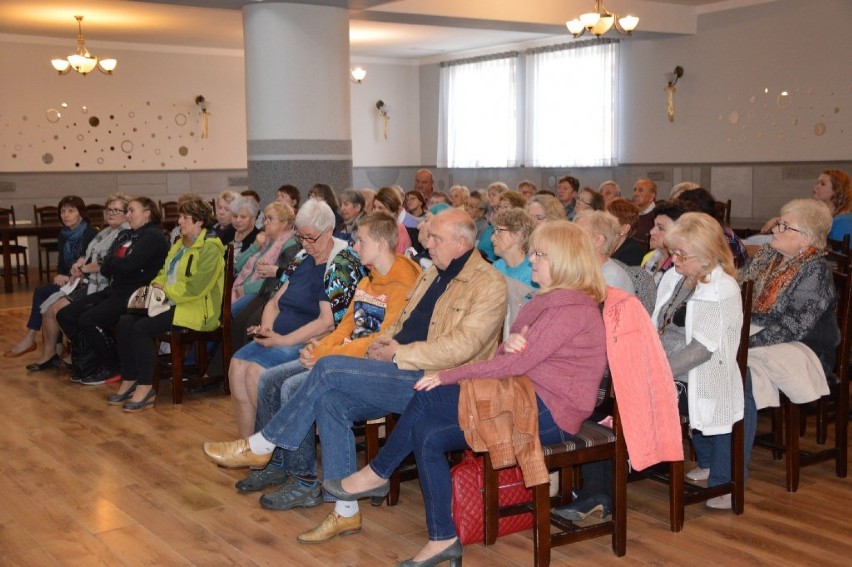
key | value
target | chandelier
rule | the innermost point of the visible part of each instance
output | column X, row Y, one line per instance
column 82, row 61
column 601, row 21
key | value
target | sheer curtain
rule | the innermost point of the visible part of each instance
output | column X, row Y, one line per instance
column 478, row 112
column 571, row 93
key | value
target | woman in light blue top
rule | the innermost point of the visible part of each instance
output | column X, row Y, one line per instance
column 512, row 229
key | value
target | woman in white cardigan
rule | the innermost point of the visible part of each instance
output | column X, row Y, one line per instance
column 699, row 316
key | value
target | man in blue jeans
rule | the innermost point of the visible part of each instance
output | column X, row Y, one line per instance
column 454, row 315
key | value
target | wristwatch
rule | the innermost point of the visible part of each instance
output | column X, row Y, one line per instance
column 393, row 359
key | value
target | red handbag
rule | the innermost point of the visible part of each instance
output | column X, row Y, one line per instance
column 469, row 506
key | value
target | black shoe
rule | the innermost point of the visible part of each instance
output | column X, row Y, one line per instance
column 147, row 402
column 258, row 479
column 335, row 488
column 453, row 554
column 295, row 493
column 119, row 399
column 584, row 507
column 53, row 364
column 100, row 377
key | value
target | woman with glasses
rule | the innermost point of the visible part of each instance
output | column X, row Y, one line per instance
column 589, row 200
column 699, row 317
column 507, row 200
column 318, row 286
column 415, row 206
column 74, row 238
column 658, row 261
column 565, row 370
column 511, row 240
column 545, row 208
column 244, row 211
column 87, row 270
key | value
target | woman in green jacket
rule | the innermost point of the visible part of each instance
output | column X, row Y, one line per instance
column 193, row 280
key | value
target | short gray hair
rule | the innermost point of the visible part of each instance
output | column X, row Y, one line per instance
column 605, row 224
column 813, row 217
column 247, row 203
column 462, row 225
column 315, row 213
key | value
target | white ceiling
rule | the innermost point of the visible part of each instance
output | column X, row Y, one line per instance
column 409, row 29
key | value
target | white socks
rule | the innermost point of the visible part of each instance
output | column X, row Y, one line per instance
column 346, row 509
column 259, row 445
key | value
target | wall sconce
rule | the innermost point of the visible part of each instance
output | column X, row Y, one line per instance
column 357, row 75
column 671, row 90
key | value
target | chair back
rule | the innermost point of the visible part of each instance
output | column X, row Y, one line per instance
column 96, row 214
column 7, row 216
column 842, row 275
column 841, row 246
column 168, row 211
column 747, row 289
column 723, row 209
column 47, row 215
column 838, row 260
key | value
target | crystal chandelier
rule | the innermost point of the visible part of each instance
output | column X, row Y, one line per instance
column 82, row 61
column 601, row 21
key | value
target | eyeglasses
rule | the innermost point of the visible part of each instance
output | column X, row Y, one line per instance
column 784, row 227
column 309, row 239
column 681, row 255
column 539, row 218
column 537, row 254
column 498, row 229
column 112, row 211
column 587, row 203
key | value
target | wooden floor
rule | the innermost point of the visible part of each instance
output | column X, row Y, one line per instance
column 85, row 484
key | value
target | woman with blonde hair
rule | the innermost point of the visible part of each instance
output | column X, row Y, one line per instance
column 565, row 369
column 224, row 227
column 545, row 208
column 699, row 317
column 603, row 229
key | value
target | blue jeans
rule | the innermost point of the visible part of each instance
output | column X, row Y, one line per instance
column 429, row 426
column 268, row 357
column 749, row 423
column 276, row 386
column 350, row 389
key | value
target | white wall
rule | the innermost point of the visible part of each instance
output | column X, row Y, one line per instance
column 146, row 112
column 398, row 86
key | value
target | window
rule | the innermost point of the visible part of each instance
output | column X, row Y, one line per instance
column 478, row 109
column 571, row 93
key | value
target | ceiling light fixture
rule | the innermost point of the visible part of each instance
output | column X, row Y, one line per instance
column 357, row 75
column 82, row 61
column 601, row 21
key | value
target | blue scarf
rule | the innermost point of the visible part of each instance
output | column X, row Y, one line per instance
column 72, row 249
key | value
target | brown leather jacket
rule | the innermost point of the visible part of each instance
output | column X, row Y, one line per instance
column 501, row 417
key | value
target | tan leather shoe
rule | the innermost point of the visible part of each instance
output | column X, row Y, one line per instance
column 333, row 525
column 235, row 454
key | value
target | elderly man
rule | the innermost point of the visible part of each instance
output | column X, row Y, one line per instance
column 454, row 316
column 644, row 196
column 610, row 191
column 566, row 192
column 423, row 181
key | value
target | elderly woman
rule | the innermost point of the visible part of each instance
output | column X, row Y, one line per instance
column 224, row 227
column 288, row 195
column 87, row 270
column 388, row 201
column 545, row 208
column 589, row 200
column 193, row 279
column 565, row 369
column 259, row 261
column 510, row 238
column 658, row 261
column 136, row 256
column 699, row 318
column 603, row 229
column 74, row 237
column 508, row 200
column 495, row 191
column 458, row 196
column 324, row 192
column 318, row 287
column 244, row 211
column 628, row 251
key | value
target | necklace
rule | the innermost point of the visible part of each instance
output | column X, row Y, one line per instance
column 673, row 306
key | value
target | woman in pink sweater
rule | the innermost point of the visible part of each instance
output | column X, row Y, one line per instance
column 558, row 340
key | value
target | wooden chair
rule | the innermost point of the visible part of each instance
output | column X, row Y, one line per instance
column 724, row 211
column 22, row 267
column 682, row 493
column 169, row 211
column 46, row 215
column 181, row 339
column 96, row 215
column 786, row 419
column 594, row 442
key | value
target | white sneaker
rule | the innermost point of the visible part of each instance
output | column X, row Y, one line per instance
column 698, row 474
column 720, row 502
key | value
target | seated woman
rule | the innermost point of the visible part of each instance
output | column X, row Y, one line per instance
column 794, row 300
column 193, row 279
column 224, row 227
column 603, row 229
column 244, row 211
column 259, row 262
column 589, row 200
column 324, row 192
column 318, row 288
column 699, row 317
column 545, row 208
column 387, row 200
column 288, row 195
column 565, row 369
column 415, row 206
column 86, row 269
column 136, row 256
column 658, row 261
column 507, row 200
column 701, row 200
column 495, row 191
column 511, row 238
column 628, row 250
column 74, row 237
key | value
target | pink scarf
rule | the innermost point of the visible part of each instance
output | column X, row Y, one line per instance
column 268, row 253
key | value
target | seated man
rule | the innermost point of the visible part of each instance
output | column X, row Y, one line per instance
column 454, row 315
column 377, row 303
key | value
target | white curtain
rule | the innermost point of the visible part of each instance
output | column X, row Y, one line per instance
column 571, row 95
column 478, row 122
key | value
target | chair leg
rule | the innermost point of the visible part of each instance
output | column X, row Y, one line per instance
column 619, row 496
column 791, row 443
column 541, row 527
column 738, row 468
column 841, row 429
column 178, row 355
column 777, row 420
column 492, row 504
column 676, row 503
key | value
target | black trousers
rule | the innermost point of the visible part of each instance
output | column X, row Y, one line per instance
column 87, row 322
column 136, row 349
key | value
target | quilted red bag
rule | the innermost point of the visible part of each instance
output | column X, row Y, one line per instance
column 469, row 506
